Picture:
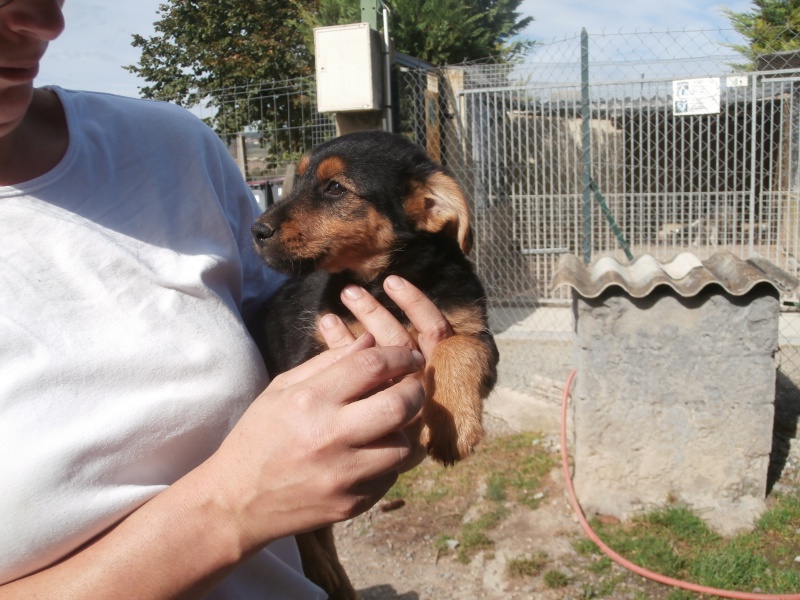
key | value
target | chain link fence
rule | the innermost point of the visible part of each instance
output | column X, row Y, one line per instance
column 267, row 127
column 620, row 144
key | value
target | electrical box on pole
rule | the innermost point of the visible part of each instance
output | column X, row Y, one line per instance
column 348, row 64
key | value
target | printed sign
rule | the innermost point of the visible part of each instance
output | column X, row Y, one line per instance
column 736, row 81
column 695, row 96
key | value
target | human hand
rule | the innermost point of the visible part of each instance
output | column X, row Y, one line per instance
column 430, row 328
column 319, row 445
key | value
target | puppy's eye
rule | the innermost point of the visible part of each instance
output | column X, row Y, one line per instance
column 335, row 189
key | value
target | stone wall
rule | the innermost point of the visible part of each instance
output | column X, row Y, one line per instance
column 674, row 401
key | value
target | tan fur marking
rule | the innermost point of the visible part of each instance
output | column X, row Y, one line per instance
column 362, row 246
column 440, row 205
column 453, row 413
column 303, row 165
column 466, row 320
column 331, row 168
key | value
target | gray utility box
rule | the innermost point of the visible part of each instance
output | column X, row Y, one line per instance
column 674, row 396
column 348, row 68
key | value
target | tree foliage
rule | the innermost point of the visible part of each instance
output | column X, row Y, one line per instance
column 440, row 31
column 771, row 26
column 204, row 49
column 206, row 45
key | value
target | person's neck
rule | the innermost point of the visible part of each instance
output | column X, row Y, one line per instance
column 38, row 144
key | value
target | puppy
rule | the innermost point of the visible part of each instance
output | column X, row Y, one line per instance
column 365, row 206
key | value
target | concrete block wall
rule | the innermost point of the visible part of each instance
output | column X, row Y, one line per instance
column 674, row 401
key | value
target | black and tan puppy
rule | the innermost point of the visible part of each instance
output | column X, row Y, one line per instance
column 365, row 206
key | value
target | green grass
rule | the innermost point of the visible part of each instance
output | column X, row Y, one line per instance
column 527, row 566
column 675, row 542
column 554, row 579
column 509, row 468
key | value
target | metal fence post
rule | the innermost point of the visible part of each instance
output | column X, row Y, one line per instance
column 586, row 149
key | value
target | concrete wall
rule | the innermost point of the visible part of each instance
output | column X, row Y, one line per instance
column 674, row 401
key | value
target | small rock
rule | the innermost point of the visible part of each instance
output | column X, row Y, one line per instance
column 453, row 544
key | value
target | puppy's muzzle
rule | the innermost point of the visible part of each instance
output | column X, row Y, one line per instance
column 261, row 233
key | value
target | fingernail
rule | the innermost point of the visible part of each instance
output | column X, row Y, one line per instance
column 394, row 282
column 328, row 322
column 418, row 357
column 353, row 292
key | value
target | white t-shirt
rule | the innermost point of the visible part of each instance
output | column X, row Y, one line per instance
column 125, row 275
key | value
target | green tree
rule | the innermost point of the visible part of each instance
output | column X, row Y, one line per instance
column 205, row 45
column 227, row 54
column 439, row 31
column 771, row 26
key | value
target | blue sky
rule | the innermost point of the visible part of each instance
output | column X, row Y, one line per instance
column 96, row 44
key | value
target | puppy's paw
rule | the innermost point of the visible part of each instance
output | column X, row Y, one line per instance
column 450, row 437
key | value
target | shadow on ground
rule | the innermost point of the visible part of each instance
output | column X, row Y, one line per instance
column 385, row 592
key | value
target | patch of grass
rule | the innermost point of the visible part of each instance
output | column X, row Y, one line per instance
column 508, row 468
column 675, row 542
column 681, row 595
column 783, row 518
column 526, row 566
column 681, row 524
column 441, row 544
column 555, row 579
column 585, row 546
column 496, row 487
column 473, row 536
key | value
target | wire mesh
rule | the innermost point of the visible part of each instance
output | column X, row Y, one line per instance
column 268, row 125
column 665, row 176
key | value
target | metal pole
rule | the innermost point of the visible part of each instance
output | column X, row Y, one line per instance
column 369, row 13
column 586, row 149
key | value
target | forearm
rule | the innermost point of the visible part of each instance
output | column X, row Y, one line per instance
column 177, row 545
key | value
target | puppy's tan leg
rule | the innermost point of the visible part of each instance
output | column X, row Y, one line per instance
column 459, row 376
column 321, row 564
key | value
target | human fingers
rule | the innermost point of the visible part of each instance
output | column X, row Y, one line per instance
column 375, row 318
column 382, row 414
column 319, row 363
column 334, row 331
column 358, row 375
column 427, row 319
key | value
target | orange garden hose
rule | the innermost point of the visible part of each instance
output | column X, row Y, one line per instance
column 619, row 559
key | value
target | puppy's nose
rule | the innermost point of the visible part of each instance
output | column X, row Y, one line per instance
column 262, row 232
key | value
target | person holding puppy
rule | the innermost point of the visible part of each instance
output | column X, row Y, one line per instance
column 143, row 451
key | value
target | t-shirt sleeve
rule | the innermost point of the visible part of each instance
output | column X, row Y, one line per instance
column 259, row 282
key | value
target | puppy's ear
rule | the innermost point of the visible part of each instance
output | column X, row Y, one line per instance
column 302, row 166
column 438, row 204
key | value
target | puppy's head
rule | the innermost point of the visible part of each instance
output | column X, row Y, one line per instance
column 356, row 200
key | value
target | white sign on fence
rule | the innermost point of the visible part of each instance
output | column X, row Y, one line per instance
column 736, row 81
column 695, row 96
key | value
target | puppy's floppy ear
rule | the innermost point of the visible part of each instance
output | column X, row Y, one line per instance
column 438, row 204
column 302, row 166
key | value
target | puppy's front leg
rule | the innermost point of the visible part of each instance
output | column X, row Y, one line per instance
column 321, row 564
column 459, row 375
